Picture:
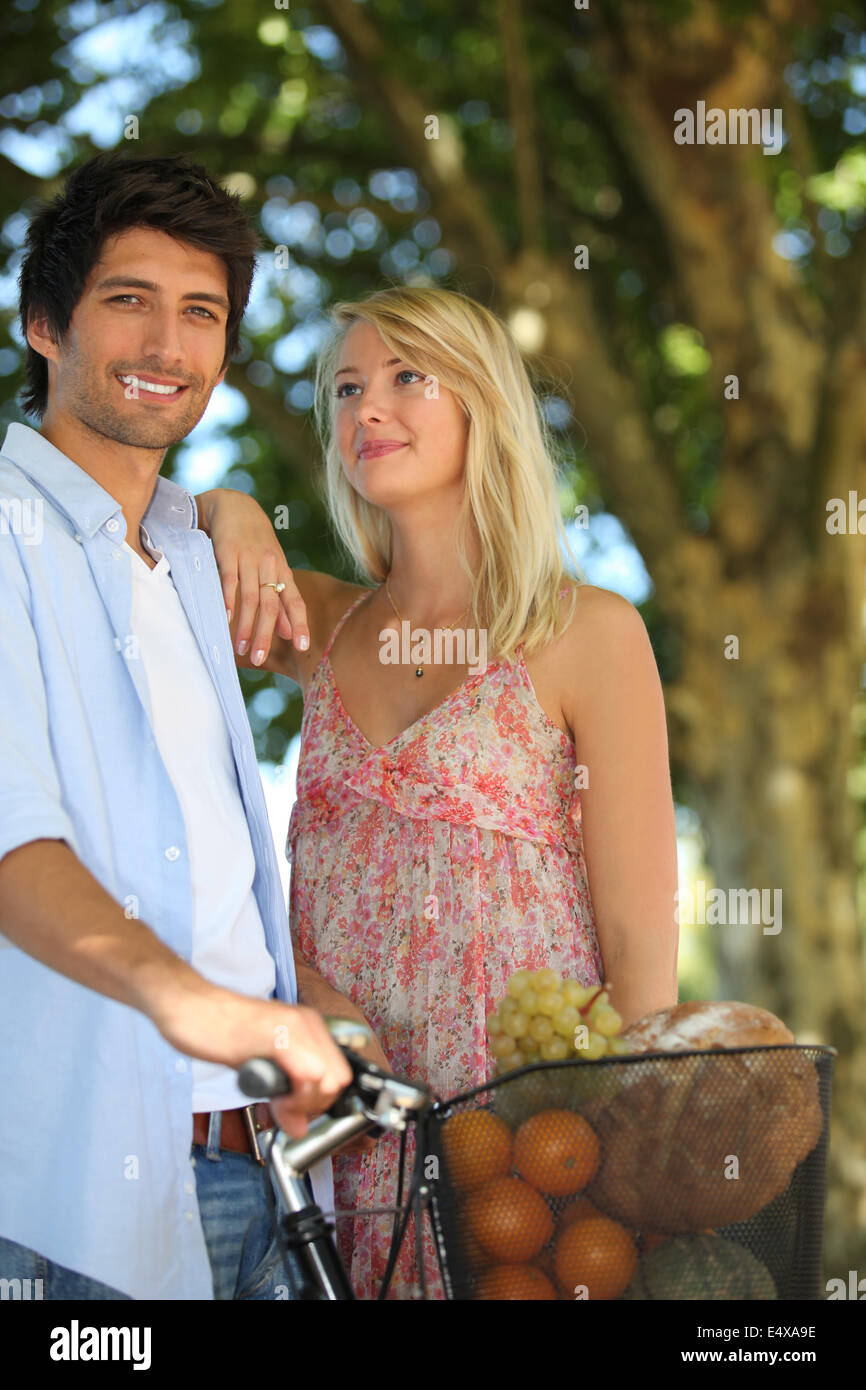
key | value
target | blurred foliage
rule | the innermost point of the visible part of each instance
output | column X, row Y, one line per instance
column 268, row 100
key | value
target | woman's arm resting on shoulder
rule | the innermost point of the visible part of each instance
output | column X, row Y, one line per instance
column 266, row 626
column 616, row 709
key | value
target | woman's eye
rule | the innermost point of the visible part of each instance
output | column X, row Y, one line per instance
column 403, row 371
column 405, row 377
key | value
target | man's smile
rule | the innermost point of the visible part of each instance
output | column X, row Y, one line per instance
column 152, row 386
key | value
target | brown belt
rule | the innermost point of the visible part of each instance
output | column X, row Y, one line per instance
column 239, row 1128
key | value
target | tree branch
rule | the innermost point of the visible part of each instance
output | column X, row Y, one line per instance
column 527, row 167
column 758, row 321
column 439, row 161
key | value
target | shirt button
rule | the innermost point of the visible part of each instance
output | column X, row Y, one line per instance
column 112, row 525
column 189, row 1186
column 76, row 537
column 180, row 1064
column 172, row 852
column 190, row 1215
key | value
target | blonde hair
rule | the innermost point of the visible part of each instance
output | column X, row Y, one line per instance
column 510, row 492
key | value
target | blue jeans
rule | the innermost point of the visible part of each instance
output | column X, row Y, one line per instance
column 244, row 1257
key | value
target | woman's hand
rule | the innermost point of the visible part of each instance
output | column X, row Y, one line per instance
column 248, row 556
column 316, row 993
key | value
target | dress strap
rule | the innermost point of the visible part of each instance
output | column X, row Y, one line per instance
column 348, row 613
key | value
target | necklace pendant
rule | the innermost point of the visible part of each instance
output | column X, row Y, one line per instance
column 418, row 671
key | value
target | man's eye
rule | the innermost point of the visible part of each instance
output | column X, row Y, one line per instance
column 197, row 309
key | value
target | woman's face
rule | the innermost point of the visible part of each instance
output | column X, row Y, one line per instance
column 401, row 435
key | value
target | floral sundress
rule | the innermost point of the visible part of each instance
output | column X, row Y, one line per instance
column 424, row 873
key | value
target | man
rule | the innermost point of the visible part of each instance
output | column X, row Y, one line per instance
column 140, row 898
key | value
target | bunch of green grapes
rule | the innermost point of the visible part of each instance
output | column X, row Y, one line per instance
column 544, row 1018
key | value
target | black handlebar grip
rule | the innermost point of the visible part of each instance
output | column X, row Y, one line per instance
column 260, row 1078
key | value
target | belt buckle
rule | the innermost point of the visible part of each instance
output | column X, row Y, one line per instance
column 253, row 1132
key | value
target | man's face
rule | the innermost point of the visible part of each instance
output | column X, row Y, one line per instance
column 152, row 315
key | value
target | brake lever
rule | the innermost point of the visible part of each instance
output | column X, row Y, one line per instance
column 352, row 1098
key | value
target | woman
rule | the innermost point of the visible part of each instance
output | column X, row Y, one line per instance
column 454, row 821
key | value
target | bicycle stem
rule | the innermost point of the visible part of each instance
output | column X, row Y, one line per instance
column 292, row 1158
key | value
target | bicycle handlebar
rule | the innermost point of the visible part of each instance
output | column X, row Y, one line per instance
column 374, row 1101
column 260, row 1077
column 385, row 1099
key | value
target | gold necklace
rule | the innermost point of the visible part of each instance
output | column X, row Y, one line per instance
column 419, row 670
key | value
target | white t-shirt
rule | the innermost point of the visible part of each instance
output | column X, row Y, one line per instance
column 229, row 946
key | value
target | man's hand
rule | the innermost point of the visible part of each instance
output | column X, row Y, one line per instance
column 249, row 555
column 221, row 1026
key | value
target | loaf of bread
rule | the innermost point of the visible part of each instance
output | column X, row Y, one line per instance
column 696, row 1142
column 700, row 1024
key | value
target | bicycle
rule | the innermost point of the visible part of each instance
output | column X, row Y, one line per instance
column 373, row 1101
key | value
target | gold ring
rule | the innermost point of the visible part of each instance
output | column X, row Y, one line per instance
column 270, row 584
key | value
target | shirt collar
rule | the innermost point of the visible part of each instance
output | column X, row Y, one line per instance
column 81, row 498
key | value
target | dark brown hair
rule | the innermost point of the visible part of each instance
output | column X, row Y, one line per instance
column 112, row 193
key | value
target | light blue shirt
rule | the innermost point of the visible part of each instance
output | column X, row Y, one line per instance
column 95, row 1113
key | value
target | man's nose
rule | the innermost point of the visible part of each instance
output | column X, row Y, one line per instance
column 161, row 339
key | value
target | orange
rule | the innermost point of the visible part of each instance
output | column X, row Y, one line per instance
column 475, row 1255
column 577, row 1210
column 598, row 1253
column 520, row 1282
column 477, row 1147
column 556, row 1151
column 509, row 1219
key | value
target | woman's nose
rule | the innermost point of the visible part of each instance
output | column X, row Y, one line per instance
column 370, row 411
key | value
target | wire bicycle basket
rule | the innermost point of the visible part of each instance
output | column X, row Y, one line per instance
column 655, row 1176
